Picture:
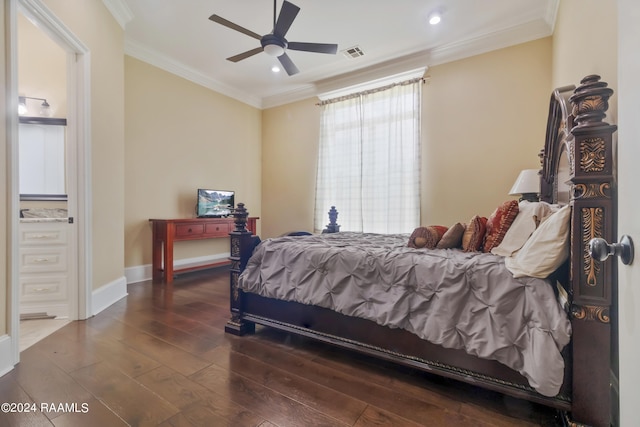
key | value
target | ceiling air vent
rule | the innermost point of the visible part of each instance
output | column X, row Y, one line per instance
column 353, row 52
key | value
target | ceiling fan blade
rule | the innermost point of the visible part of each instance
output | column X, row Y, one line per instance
column 314, row 47
column 220, row 20
column 288, row 64
column 288, row 13
column 245, row 55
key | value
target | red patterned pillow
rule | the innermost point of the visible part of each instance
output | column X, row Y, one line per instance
column 474, row 234
column 498, row 224
column 426, row 237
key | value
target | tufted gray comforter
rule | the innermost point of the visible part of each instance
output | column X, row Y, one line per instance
column 456, row 299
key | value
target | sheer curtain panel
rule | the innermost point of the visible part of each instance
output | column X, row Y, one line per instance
column 369, row 160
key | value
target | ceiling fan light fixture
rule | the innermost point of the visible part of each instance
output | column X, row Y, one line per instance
column 273, row 45
column 274, row 50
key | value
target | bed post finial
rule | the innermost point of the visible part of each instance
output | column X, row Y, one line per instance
column 590, row 102
column 240, row 214
column 333, row 226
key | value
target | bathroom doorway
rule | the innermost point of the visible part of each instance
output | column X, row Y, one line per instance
column 50, row 68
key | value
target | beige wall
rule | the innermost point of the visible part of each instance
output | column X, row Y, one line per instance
column 484, row 121
column 585, row 42
column 477, row 113
column 290, row 147
column 181, row 137
column 42, row 69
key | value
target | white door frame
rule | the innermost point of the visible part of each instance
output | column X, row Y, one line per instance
column 78, row 130
column 628, row 208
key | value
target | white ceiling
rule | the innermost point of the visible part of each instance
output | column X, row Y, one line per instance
column 394, row 35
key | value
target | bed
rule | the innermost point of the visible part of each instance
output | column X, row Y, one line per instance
column 578, row 302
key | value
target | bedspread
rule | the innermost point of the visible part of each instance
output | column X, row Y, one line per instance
column 460, row 300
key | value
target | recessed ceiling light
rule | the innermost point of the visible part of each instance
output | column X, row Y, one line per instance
column 275, row 69
column 435, row 18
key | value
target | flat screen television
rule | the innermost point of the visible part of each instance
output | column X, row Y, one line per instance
column 214, row 203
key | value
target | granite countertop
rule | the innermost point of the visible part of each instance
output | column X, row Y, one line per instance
column 43, row 215
column 43, row 220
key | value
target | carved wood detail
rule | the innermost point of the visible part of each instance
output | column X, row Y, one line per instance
column 591, row 313
column 592, row 190
column 235, row 247
column 234, row 285
column 593, row 151
column 592, row 226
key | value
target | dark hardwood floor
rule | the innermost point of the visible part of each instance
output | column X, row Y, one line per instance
column 161, row 357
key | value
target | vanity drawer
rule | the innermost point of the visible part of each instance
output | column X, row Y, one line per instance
column 43, row 288
column 43, row 233
column 220, row 229
column 189, row 230
column 43, row 259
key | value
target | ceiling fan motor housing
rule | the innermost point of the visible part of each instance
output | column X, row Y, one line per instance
column 273, row 45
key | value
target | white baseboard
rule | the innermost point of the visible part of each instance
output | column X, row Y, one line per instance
column 108, row 294
column 6, row 355
column 143, row 272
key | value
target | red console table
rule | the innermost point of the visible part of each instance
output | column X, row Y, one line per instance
column 167, row 231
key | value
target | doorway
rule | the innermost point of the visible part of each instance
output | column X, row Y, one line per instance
column 47, row 274
column 75, row 94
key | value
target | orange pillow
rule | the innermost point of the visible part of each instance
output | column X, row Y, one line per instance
column 474, row 234
column 426, row 237
column 498, row 224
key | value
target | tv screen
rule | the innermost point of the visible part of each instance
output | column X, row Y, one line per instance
column 214, row 203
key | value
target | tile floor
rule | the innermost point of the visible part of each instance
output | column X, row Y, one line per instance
column 33, row 330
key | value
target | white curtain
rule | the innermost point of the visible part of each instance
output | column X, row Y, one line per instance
column 369, row 160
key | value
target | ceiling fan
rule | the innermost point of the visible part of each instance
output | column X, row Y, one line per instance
column 274, row 43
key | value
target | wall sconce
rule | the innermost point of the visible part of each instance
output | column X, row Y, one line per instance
column 45, row 108
column 527, row 185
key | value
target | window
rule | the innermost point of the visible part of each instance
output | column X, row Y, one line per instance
column 369, row 160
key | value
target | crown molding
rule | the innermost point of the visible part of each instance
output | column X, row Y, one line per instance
column 512, row 36
column 552, row 14
column 408, row 63
column 120, row 11
column 165, row 63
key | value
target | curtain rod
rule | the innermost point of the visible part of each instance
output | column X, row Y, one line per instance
column 370, row 91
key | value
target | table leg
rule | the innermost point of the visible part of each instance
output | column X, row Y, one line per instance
column 168, row 254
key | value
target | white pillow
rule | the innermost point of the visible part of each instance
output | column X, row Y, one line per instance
column 546, row 249
column 530, row 216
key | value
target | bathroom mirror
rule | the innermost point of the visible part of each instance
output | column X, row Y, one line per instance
column 42, row 158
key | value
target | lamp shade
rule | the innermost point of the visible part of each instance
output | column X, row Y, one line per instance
column 528, row 182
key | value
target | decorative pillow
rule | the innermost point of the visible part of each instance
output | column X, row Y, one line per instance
column 453, row 237
column 474, row 234
column 426, row 237
column 498, row 224
column 530, row 216
column 546, row 249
